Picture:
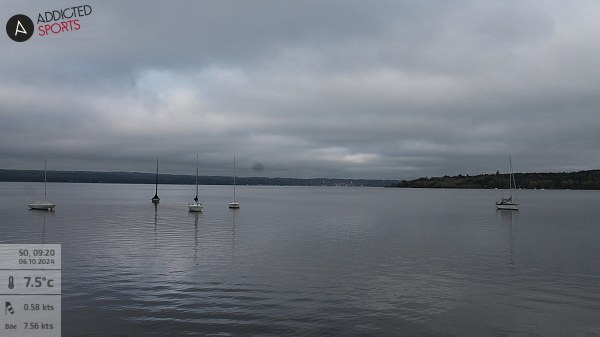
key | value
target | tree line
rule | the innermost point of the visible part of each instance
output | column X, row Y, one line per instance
column 149, row 178
column 582, row 180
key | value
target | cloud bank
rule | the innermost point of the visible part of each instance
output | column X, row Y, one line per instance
column 353, row 89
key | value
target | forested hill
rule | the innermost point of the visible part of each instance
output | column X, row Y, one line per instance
column 149, row 178
column 583, row 180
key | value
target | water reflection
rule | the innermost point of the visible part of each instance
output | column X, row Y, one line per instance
column 233, row 212
column 155, row 222
column 44, row 231
column 42, row 218
column 195, row 215
column 510, row 220
column 508, row 217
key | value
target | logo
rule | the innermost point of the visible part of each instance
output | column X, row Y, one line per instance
column 19, row 28
column 53, row 22
column 59, row 21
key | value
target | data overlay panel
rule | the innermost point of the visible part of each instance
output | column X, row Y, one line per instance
column 30, row 290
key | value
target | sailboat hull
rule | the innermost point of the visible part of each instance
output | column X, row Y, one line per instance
column 195, row 207
column 509, row 206
column 42, row 205
column 234, row 205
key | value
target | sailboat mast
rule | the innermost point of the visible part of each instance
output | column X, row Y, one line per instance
column 156, row 180
column 234, row 178
column 155, row 198
column 45, row 176
column 196, row 177
column 510, row 177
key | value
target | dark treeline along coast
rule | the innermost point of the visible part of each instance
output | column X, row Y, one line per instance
column 149, row 178
column 582, row 180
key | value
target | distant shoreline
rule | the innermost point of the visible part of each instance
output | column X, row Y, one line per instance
column 582, row 180
column 172, row 179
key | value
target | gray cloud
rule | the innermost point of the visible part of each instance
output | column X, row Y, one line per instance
column 384, row 89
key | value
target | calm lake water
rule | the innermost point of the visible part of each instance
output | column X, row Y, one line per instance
column 305, row 261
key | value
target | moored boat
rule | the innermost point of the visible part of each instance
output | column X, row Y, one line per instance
column 234, row 204
column 44, row 204
column 507, row 203
column 196, row 206
column 155, row 198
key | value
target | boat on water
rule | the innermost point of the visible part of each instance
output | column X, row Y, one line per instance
column 507, row 203
column 234, row 204
column 196, row 206
column 155, row 198
column 44, row 204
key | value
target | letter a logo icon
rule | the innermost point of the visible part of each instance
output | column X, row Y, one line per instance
column 19, row 28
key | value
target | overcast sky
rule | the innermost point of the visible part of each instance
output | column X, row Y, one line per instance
column 350, row 89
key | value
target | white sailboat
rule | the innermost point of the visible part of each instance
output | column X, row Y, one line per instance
column 234, row 204
column 507, row 203
column 155, row 198
column 196, row 206
column 44, row 204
